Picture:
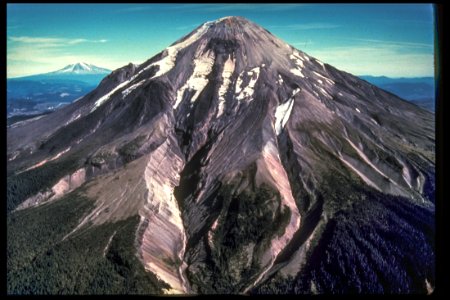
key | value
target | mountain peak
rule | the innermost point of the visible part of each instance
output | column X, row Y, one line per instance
column 244, row 40
column 232, row 20
column 232, row 27
column 83, row 65
column 81, row 68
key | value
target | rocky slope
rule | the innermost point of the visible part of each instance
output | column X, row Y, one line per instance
column 237, row 152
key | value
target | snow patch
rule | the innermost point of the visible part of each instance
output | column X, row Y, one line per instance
column 20, row 123
column 247, row 92
column 323, row 77
column 81, row 68
column 239, row 83
column 85, row 66
column 299, row 63
column 198, row 80
column 283, row 112
column 297, row 72
column 13, row 157
column 168, row 62
column 323, row 91
column 228, row 70
column 106, row 97
column 295, row 56
column 77, row 117
column 292, row 56
column 357, row 110
column 320, row 63
column 280, row 80
column 127, row 91
column 73, row 119
column 374, row 121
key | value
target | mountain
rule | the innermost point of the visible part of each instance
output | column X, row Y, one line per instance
column 41, row 93
column 79, row 71
column 230, row 162
column 420, row 90
column 382, row 80
column 80, row 68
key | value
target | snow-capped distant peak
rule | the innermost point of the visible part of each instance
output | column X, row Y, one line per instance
column 86, row 66
column 82, row 68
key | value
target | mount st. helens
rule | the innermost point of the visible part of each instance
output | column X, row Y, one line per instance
column 253, row 168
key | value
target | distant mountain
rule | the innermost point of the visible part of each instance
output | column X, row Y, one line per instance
column 380, row 80
column 81, row 68
column 39, row 93
column 419, row 90
column 80, row 71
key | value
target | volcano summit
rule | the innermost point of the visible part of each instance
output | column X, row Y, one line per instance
column 230, row 162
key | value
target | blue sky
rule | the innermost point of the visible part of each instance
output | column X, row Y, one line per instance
column 376, row 39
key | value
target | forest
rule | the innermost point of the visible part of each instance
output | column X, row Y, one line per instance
column 41, row 261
